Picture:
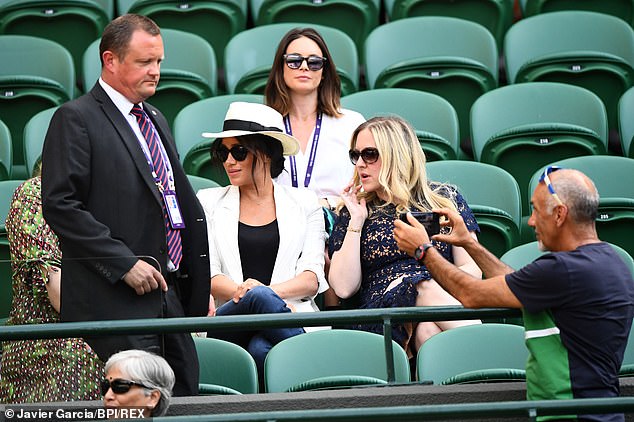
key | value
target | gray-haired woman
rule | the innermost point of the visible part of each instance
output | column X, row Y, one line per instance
column 138, row 379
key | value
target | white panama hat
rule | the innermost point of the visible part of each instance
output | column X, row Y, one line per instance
column 248, row 118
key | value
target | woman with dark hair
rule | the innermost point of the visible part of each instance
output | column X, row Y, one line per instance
column 304, row 87
column 267, row 249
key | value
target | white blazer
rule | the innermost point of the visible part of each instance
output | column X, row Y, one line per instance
column 301, row 228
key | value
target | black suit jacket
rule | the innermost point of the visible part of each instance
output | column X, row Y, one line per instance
column 100, row 199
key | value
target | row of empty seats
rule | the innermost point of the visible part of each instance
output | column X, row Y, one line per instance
column 339, row 358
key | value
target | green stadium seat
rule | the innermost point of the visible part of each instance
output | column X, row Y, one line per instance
column 225, row 368
column 522, row 127
column 494, row 15
column 331, row 359
column 626, row 122
column 454, row 58
column 623, row 9
column 72, row 23
column 611, row 175
column 478, row 353
column 433, row 117
column 591, row 50
column 35, row 74
column 249, row 56
column 492, row 194
column 214, row 20
column 204, row 116
column 34, row 134
column 6, row 153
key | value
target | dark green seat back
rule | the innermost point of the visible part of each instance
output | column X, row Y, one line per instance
column 34, row 134
column 27, row 86
column 225, row 368
column 454, row 58
column 493, row 195
column 626, row 122
column 331, row 358
column 474, row 353
column 215, row 21
column 623, row 9
column 494, row 15
column 588, row 49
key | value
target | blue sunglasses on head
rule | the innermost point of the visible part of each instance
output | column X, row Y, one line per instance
column 545, row 179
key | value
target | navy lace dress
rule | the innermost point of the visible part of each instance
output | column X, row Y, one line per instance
column 382, row 262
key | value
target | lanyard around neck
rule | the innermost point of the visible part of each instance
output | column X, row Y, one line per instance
column 313, row 151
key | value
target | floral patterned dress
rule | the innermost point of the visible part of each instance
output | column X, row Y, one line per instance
column 43, row 370
column 382, row 262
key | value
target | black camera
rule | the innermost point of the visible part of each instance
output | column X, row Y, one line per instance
column 430, row 220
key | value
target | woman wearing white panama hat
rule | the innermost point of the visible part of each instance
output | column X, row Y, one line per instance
column 266, row 240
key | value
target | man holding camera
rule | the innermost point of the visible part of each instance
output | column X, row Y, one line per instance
column 577, row 301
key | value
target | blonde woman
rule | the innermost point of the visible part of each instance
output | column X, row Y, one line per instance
column 390, row 179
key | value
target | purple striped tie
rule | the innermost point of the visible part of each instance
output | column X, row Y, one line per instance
column 174, row 246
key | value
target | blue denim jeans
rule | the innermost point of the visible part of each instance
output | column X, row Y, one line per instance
column 259, row 300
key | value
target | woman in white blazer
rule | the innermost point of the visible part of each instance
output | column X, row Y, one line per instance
column 266, row 240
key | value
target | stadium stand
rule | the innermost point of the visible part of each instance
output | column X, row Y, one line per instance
column 494, row 15
column 522, row 127
column 214, row 20
column 623, row 9
column 450, row 57
column 591, row 50
column 27, row 86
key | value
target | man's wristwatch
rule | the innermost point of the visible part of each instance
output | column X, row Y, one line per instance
column 419, row 252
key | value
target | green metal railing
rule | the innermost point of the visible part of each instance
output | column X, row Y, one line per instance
column 301, row 319
column 528, row 409
column 386, row 317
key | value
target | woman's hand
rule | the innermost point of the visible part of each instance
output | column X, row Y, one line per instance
column 357, row 208
column 244, row 287
column 212, row 306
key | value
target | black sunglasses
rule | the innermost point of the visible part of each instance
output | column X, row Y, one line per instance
column 238, row 152
column 369, row 155
column 119, row 386
column 294, row 61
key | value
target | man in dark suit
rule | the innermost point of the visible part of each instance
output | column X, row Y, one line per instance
column 132, row 233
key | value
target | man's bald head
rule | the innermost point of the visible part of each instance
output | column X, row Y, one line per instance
column 578, row 193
